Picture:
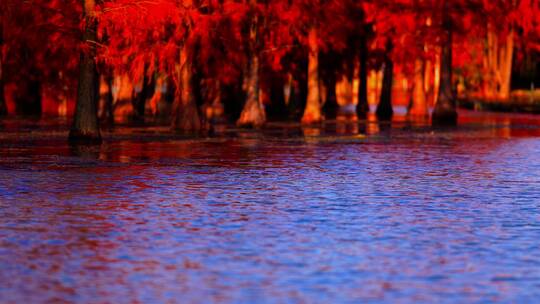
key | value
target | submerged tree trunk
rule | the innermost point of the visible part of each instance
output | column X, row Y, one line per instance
column 85, row 126
column 384, row 109
column 186, row 116
column 419, row 104
column 445, row 109
column 312, row 112
column 362, row 108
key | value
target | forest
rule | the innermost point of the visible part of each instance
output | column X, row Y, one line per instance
column 194, row 63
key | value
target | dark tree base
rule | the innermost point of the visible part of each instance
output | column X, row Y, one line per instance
column 444, row 117
column 187, row 121
column 77, row 137
column 384, row 113
column 362, row 110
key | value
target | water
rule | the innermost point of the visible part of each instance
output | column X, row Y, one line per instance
column 347, row 213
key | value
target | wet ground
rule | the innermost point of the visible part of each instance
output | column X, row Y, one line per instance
column 344, row 212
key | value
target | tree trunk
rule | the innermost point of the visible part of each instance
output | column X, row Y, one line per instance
column 445, row 109
column 498, row 63
column 436, row 78
column 109, row 99
column 419, row 104
column 384, row 109
column 253, row 114
column 139, row 99
column 362, row 108
column 85, row 126
column 428, row 78
column 3, row 107
column 185, row 113
column 331, row 105
column 506, row 57
column 312, row 112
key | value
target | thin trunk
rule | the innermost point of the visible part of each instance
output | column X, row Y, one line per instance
column 3, row 107
column 253, row 113
column 428, row 86
column 157, row 97
column 185, row 113
column 505, row 66
column 419, row 104
column 139, row 99
column 362, row 108
column 287, row 88
column 491, row 63
column 445, row 110
column 312, row 112
column 384, row 109
column 109, row 99
column 85, row 126
column 343, row 90
column 498, row 63
column 213, row 109
column 331, row 105
column 436, row 79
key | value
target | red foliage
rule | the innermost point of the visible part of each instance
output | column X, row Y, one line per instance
column 41, row 38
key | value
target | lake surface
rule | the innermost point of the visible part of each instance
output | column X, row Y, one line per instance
column 349, row 212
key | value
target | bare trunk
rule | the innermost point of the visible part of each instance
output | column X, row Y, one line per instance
column 436, row 79
column 253, row 113
column 344, row 90
column 331, row 106
column 498, row 63
column 85, row 126
column 506, row 57
column 185, row 113
column 384, row 109
column 109, row 99
column 312, row 112
column 419, row 104
column 428, row 85
column 213, row 109
column 491, row 64
column 445, row 110
column 138, row 101
column 157, row 96
column 3, row 107
column 362, row 108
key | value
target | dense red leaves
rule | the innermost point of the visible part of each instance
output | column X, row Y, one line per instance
column 42, row 37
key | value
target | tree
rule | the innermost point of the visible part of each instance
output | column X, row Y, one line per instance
column 445, row 108
column 3, row 107
column 253, row 114
column 384, row 109
column 85, row 127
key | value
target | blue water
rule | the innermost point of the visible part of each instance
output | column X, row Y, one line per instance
column 368, row 214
